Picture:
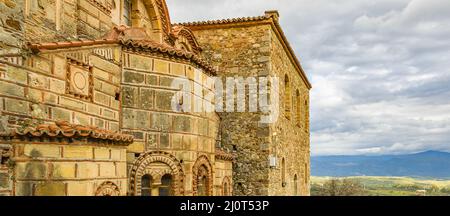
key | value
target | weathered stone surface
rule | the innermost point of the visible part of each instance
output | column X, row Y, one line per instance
column 78, row 152
column 50, row 189
column 130, row 96
column 146, row 98
column 63, row 170
column 42, row 151
column 11, row 89
column 133, row 77
column 164, row 100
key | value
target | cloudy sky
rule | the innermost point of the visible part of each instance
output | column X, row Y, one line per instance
column 380, row 69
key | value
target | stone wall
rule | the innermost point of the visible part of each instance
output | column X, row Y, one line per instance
column 292, row 129
column 253, row 50
column 148, row 115
column 76, row 85
column 5, row 171
column 78, row 168
column 11, row 26
column 242, row 51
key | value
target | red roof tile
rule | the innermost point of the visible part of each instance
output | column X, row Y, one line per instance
column 63, row 129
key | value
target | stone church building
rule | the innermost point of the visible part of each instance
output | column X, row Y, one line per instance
column 86, row 103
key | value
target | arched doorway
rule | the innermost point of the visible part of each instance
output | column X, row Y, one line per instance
column 156, row 174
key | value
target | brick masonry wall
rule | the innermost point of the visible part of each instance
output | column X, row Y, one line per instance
column 78, row 86
column 61, row 169
column 147, row 113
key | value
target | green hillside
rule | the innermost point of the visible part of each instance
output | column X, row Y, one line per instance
column 390, row 186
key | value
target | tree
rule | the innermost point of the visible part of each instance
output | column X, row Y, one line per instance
column 337, row 187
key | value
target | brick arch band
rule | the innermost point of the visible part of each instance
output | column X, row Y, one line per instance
column 145, row 160
column 202, row 162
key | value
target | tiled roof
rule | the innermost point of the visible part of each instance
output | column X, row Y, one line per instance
column 63, row 129
column 221, row 154
column 225, row 21
column 129, row 37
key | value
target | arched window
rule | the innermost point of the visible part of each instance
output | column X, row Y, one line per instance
column 225, row 189
column 287, row 97
column 166, row 186
column 127, row 8
column 295, row 185
column 146, row 185
column 201, row 187
column 203, row 181
column 298, row 115
column 283, row 172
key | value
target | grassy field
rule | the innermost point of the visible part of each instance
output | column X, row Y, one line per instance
column 393, row 186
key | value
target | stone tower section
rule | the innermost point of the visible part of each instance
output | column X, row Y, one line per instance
column 271, row 159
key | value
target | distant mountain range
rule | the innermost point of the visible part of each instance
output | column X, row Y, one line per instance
column 430, row 164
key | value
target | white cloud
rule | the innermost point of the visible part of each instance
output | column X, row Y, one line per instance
column 380, row 68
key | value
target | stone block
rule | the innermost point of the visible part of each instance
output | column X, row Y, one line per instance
column 161, row 66
column 152, row 140
column 164, row 140
column 101, row 98
column 77, row 152
column 94, row 109
column 146, row 98
column 107, row 169
column 100, row 74
column 50, row 98
column 100, row 123
column 109, row 114
column 61, row 114
column 133, row 77
column 57, row 86
column 24, row 189
column 166, row 81
column 104, row 64
column 116, row 154
column 72, row 103
column 182, row 124
column 42, row 65
column 59, row 67
column 80, row 189
column 11, row 89
column 31, row 170
column 42, row 151
column 130, row 96
column 140, row 62
column 160, row 122
column 176, row 141
column 63, row 170
column 163, row 100
column 17, row 106
column 136, row 119
column 151, row 80
column 81, row 119
column 102, row 154
column 87, row 170
column 121, row 170
column 50, row 189
column 177, row 69
column 39, row 81
column 17, row 74
column 113, row 126
column 136, row 147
